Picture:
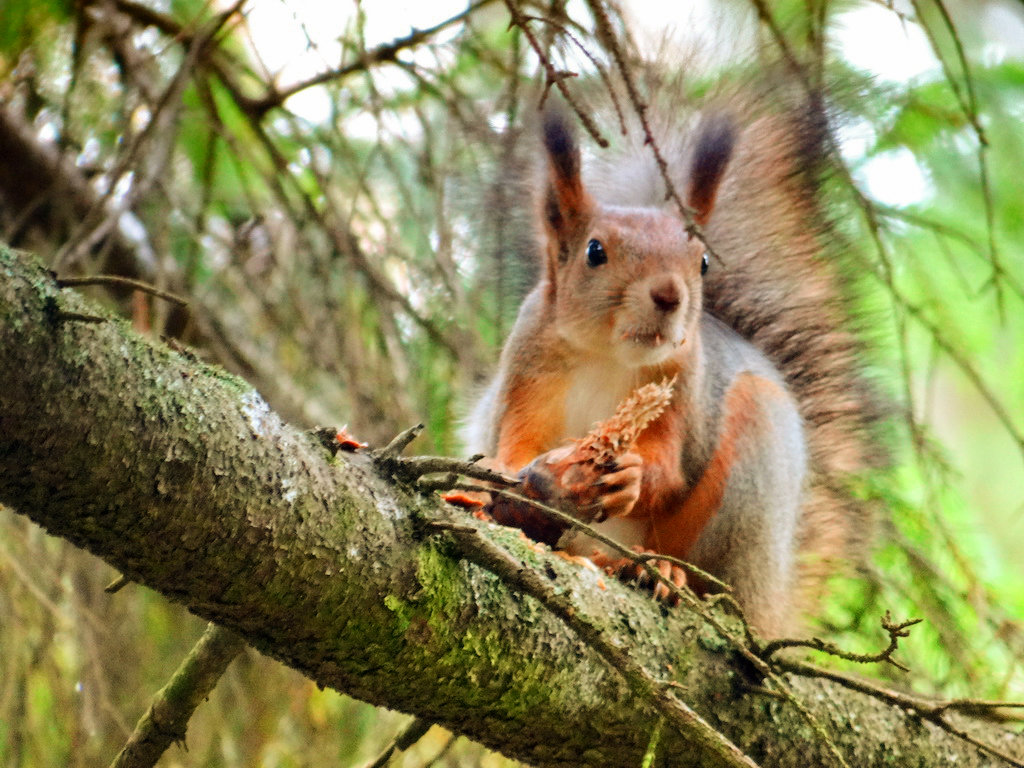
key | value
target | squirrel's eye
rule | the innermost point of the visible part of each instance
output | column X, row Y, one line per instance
column 595, row 254
column 704, row 263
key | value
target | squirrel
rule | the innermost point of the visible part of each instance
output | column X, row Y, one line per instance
column 743, row 473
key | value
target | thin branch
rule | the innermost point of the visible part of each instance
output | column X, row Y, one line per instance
column 344, row 240
column 608, row 38
column 158, row 134
column 896, row 632
column 117, row 585
column 874, row 227
column 601, row 71
column 342, row 237
column 652, row 747
column 78, row 317
column 386, row 52
column 167, row 717
column 968, row 101
column 643, row 559
column 418, row 466
column 555, row 77
column 415, row 730
column 399, row 443
column 933, row 712
column 122, row 282
column 967, row 368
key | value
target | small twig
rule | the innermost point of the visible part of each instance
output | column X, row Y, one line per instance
column 601, row 71
column 445, row 749
column 104, row 216
column 444, row 482
column 344, row 239
column 968, row 102
column 979, row 707
column 386, row 52
column 652, row 746
column 448, row 525
column 555, row 77
column 889, row 5
column 413, row 732
column 896, row 631
column 643, row 559
column 78, row 317
column 771, row 693
column 123, row 282
column 398, row 444
column 932, row 711
column 117, row 585
column 418, row 466
column 607, row 37
column 874, row 227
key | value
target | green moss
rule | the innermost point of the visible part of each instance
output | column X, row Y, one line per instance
column 438, row 574
column 230, row 380
column 529, row 693
column 403, row 612
column 520, row 688
column 484, row 646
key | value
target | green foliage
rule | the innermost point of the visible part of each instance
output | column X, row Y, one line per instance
column 952, row 329
column 24, row 23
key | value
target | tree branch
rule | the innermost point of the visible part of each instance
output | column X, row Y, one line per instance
column 179, row 475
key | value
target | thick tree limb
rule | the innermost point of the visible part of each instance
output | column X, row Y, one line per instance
column 180, row 476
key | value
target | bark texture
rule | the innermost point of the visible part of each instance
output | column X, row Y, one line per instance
column 179, row 475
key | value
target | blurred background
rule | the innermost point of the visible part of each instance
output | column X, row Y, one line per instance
column 319, row 181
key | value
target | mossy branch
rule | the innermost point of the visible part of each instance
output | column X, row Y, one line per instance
column 180, row 476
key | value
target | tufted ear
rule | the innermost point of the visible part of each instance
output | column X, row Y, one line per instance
column 710, row 157
column 567, row 206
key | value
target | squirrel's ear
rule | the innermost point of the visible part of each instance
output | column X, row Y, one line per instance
column 710, row 157
column 566, row 203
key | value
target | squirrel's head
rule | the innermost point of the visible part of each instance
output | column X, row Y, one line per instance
column 623, row 281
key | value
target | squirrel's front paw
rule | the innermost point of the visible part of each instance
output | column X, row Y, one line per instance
column 590, row 491
column 619, row 489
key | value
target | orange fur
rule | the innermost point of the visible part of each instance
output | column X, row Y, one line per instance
column 676, row 526
column 532, row 422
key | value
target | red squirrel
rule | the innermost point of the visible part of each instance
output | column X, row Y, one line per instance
column 743, row 474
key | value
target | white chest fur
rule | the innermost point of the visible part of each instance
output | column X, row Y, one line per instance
column 594, row 393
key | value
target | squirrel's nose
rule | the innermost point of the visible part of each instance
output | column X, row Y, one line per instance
column 665, row 295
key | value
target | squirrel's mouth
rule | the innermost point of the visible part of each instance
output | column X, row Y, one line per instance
column 651, row 339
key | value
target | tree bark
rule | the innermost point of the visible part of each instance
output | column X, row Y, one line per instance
column 180, row 476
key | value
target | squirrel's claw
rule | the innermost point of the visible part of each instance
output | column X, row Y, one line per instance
column 619, row 490
column 630, row 571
